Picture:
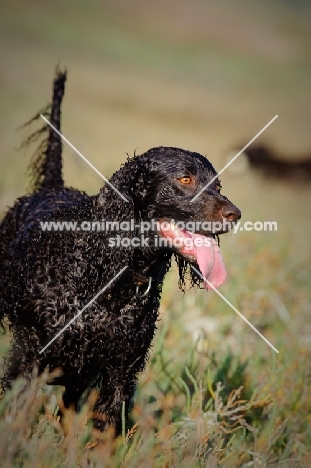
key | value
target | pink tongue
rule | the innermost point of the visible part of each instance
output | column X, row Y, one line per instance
column 210, row 262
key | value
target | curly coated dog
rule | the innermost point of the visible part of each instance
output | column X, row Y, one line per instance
column 105, row 283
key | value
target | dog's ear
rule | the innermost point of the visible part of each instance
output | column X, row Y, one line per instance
column 119, row 199
column 137, row 180
column 134, row 177
column 141, row 182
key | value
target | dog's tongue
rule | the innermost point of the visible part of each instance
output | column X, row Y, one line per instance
column 206, row 253
column 210, row 262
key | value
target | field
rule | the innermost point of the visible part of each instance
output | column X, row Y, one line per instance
column 206, row 77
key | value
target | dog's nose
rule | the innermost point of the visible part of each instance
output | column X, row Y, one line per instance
column 231, row 213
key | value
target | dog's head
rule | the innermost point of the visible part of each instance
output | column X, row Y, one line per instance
column 179, row 194
column 181, row 191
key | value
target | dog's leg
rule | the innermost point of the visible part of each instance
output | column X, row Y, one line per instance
column 111, row 402
column 72, row 396
column 70, row 400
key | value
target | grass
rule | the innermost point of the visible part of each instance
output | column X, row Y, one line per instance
column 213, row 393
column 206, row 77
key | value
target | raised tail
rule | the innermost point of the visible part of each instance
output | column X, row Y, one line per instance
column 46, row 164
column 51, row 171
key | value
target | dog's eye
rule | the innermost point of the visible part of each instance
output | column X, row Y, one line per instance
column 185, row 180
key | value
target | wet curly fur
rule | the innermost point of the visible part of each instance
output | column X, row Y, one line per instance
column 47, row 277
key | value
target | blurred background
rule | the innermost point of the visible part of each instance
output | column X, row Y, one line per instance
column 196, row 74
column 200, row 75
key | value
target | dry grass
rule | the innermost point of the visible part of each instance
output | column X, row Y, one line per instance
column 213, row 393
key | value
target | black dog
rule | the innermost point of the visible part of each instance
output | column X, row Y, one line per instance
column 49, row 276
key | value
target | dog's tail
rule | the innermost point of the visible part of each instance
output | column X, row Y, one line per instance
column 46, row 164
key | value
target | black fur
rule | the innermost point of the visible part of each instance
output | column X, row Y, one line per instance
column 47, row 277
